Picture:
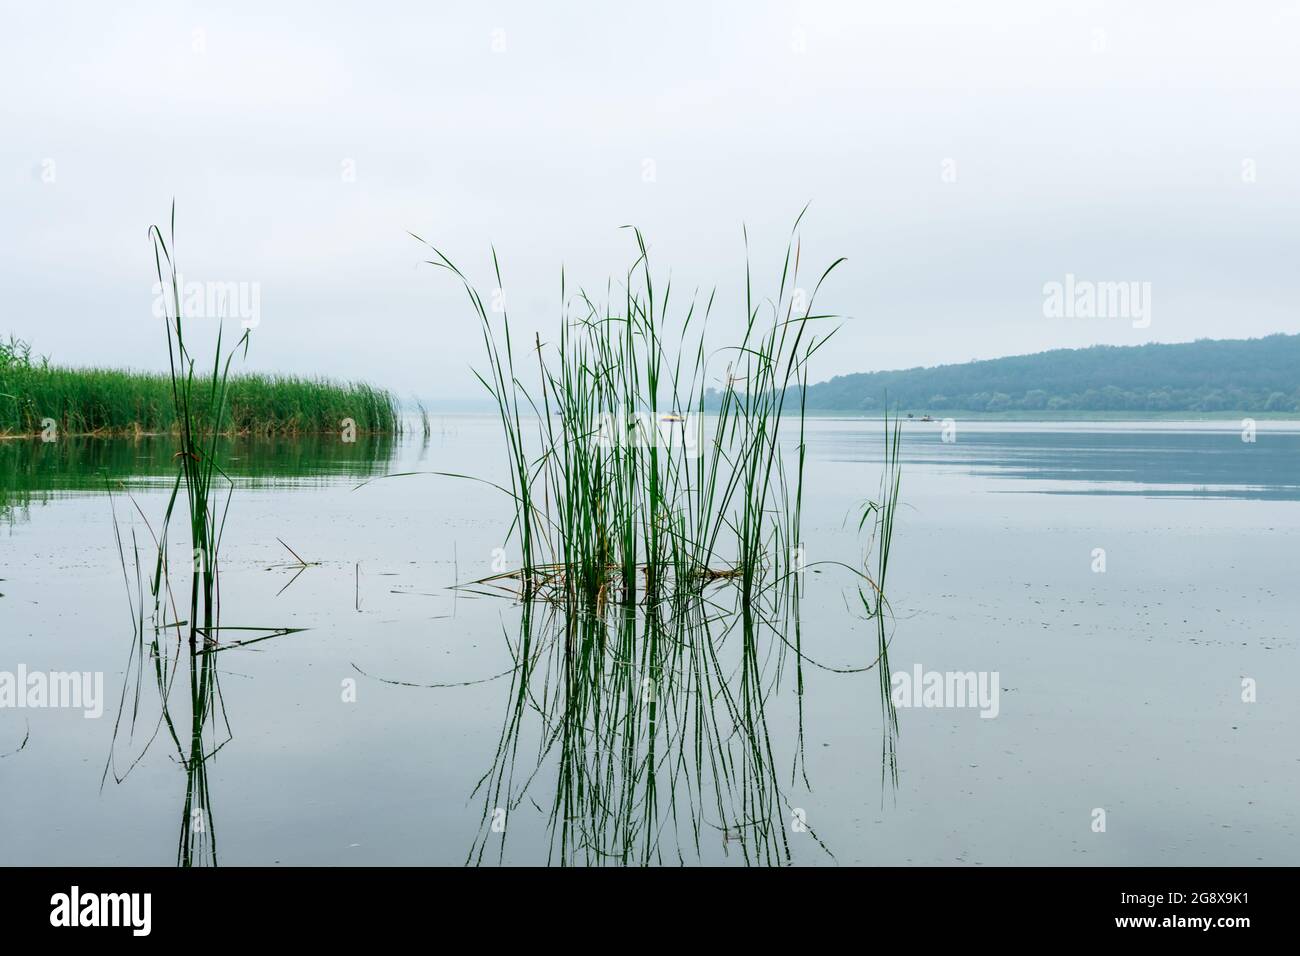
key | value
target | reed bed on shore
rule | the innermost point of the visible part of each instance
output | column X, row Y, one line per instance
column 99, row 401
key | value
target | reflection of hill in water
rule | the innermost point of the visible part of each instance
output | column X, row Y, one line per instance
column 1201, row 463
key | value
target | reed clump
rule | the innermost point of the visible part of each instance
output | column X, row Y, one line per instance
column 634, row 479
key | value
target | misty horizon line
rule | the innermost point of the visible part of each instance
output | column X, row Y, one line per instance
column 463, row 403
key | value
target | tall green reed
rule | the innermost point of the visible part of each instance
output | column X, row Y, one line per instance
column 609, row 515
column 199, row 397
column 611, row 507
column 880, row 514
column 197, row 403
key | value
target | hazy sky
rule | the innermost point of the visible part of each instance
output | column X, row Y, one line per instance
column 961, row 155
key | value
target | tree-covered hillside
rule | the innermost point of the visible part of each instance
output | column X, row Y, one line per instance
column 1210, row 375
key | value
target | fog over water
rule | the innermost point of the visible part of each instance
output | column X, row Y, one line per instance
column 960, row 157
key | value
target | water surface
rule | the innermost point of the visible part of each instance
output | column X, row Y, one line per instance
column 1119, row 690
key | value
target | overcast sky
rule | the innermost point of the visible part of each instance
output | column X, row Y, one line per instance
column 960, row 155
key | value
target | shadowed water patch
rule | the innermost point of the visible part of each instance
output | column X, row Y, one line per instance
column 32, row 471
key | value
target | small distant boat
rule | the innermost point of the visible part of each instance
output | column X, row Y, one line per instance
column 926, row 418
column 672, row 418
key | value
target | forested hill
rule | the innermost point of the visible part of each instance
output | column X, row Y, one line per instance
column 1210, row 375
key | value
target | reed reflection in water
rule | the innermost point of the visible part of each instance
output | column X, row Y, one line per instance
column 33, row 471
column 643, row 735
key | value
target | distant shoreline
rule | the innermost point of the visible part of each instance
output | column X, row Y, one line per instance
column 434, row 409
column 1208, row 379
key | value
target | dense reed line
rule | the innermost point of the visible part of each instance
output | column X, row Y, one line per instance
column 122, row 402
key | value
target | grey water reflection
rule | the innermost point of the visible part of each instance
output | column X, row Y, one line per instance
column 33, row 471
column 663, row 735
column 172, row 696
column 1196, row 461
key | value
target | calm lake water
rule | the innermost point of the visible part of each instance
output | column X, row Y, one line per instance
column 1118, row 690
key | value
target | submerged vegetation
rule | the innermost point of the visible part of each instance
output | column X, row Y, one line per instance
column 93, row 401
